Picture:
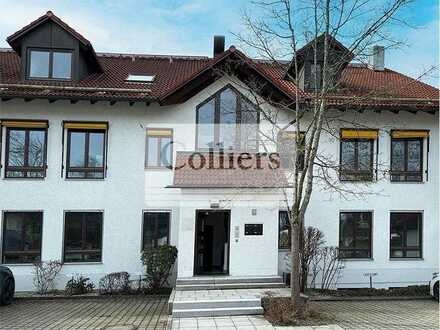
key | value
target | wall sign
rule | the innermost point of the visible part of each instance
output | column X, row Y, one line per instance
column 253, row 229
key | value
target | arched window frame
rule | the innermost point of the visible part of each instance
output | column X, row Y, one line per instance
column 216, row 97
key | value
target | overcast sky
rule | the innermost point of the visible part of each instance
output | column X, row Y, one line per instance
column 187, row 26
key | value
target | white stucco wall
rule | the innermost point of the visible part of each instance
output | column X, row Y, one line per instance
column 129, row 189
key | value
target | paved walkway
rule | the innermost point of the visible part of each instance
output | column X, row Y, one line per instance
column 138, row 312
column 383, row 315
column 351, row 315
column 236, row 323
column 228, row 294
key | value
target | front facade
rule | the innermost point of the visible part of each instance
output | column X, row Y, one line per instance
column 93, row 148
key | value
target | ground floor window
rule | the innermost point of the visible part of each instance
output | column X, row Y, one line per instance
column 83, row 237
column 156, row 229
column 22, row 237
column 283, row 230
column 406, row 235
column 355, row 235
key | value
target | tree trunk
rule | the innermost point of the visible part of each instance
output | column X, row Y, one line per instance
column 295, row 273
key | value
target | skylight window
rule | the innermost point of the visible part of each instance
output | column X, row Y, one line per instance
column 142, row 78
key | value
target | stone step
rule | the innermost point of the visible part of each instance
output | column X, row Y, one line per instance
column 225, row 286
column 229, row 279
column 182, row 313
column 220, row 303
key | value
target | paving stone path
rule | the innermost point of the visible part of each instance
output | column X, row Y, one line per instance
column 350, row 315
column 383, row 315
column 129, row 312
column 140, row 312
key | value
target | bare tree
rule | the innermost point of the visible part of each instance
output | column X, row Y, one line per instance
column 275, row 32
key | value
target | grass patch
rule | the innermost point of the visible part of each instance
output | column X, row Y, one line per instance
column 279, row 311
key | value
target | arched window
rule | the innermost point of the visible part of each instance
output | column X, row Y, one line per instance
column 227, row 121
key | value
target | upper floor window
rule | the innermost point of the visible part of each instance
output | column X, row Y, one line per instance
column 407, row 155
column 22, row 237
column 159, row 147
column 26, row 143
column 357, row 154
column 86, row 150
column 50, row 64
column 227, row 121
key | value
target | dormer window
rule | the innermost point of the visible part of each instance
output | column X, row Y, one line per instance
column 50, row 64
column 315, row 76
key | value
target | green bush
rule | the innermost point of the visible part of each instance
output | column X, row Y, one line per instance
column 158, row 262
column 79, row 285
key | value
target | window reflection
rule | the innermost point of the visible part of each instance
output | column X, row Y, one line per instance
column 156, row 229
column 25, row 153
column 22, row 237
column 227, row 122
column 86, row 154
column 39, row 64
column 62, row 65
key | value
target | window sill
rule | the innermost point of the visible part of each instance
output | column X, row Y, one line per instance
column 407, row 182
column 158, row 169
column 83, row 263
column 283, row 250
column 15, row 265
column 24, row 179
column 357, row 259
column 406, row 259
column 82, row 180
column 357, row 181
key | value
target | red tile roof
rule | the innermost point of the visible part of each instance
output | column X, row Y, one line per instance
column 196, row 170
column 172, row 72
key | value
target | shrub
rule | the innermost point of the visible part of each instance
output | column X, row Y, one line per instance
column 45, row 273
column 115, row 283
column 79, row 285
column 279, row 311
column 158, row 263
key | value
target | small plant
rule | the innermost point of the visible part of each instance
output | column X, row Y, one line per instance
column 79, row 285
column 115, row 283
column 45, row 273
column 158, row 262
column 313, row 240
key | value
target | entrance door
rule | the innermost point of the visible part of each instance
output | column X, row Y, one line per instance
column 212, row 242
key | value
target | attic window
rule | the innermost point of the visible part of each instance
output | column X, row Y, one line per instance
column 50, row 64
column 315, row 76
column 140, row 78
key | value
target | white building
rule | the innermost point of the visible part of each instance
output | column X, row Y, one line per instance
column 84, row 181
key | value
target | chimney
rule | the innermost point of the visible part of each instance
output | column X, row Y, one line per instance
column 377, row 58
column 219, row 45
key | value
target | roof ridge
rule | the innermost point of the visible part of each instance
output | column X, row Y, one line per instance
column 159, row 56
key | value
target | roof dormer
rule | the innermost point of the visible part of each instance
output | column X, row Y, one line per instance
column 309, row 72
column 51, row 50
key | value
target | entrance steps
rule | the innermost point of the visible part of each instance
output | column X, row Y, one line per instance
column 224, row 307
column 228, row 282
column 213, row 295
